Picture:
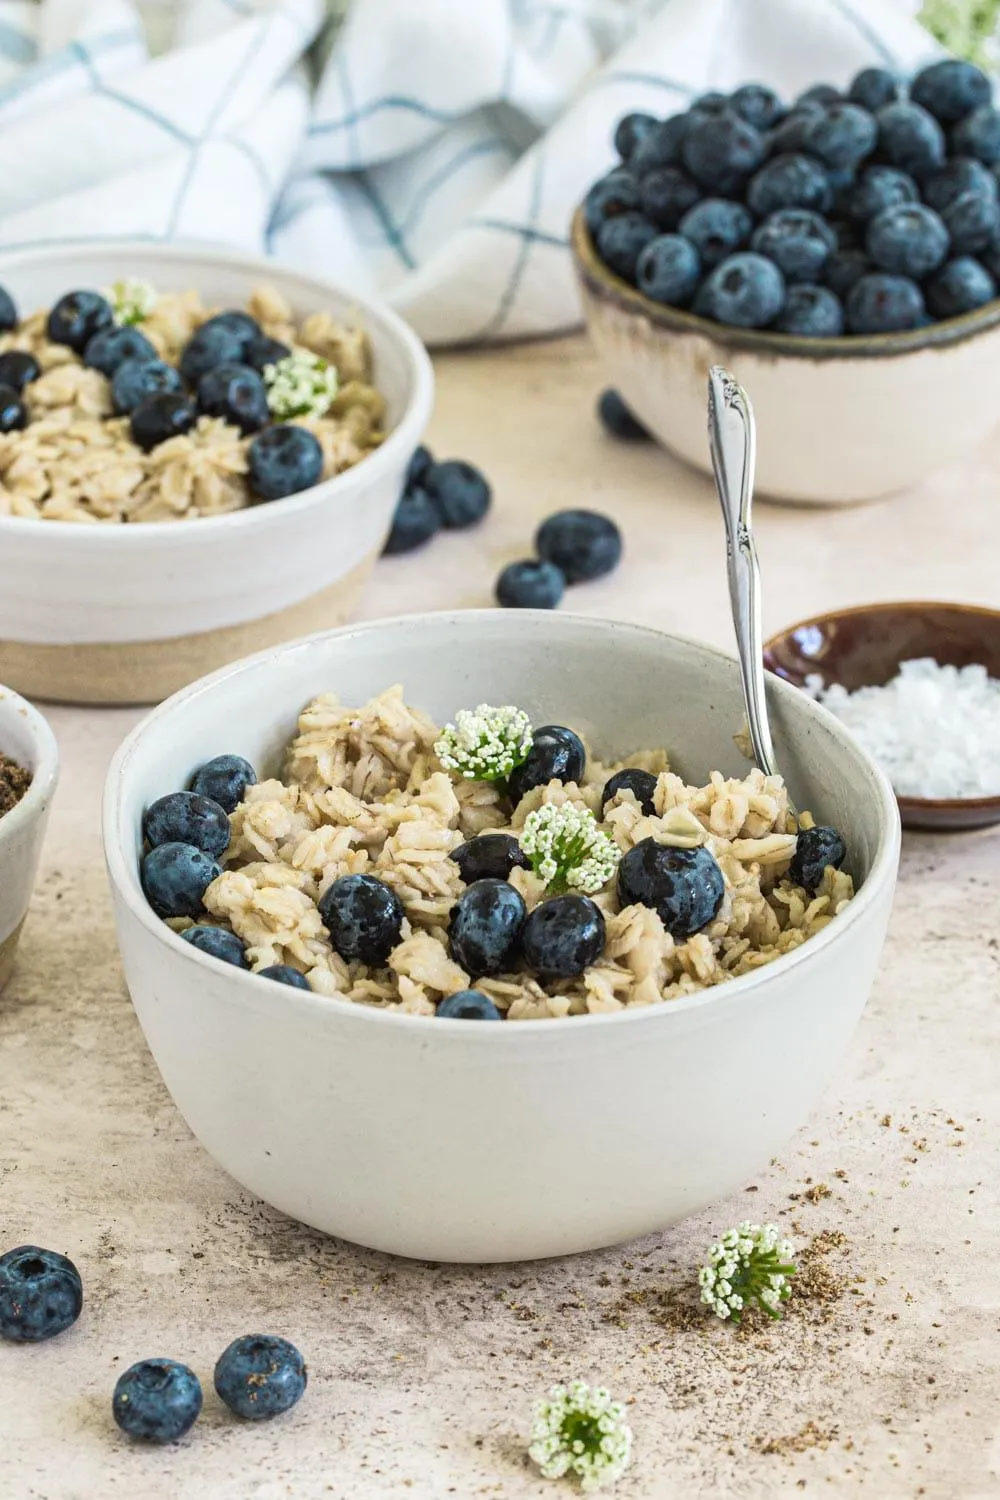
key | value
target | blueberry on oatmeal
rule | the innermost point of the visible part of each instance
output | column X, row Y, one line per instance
column 175, row 878
column 363, row 916
column 18, row 369
column 77, row 317
column 224, row 779
column 214, row 343
column 642, row 785
column 8, row 311
column 563, row 937
column 136, row 380
column 285, row 974
column 107, row 350
column 815, row 850
column 283, row 460
column 235, row 393
column 683, row 886
column 161, row 417
column 187, row 818
column 467, row 1005
column 490, row 856
column 218, row 942
column 13, row 412
column 421, row 460
column 262, row 350
column 556, row 754
column 485, row 928
column 41, row 1294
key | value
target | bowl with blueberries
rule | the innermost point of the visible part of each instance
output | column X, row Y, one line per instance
column 200, row 455
column 421, row 971
column 839, row 252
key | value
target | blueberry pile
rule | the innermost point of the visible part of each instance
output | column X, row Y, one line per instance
column 453, row 494
column 219, row 375
column 572, row 546
column 873, row 210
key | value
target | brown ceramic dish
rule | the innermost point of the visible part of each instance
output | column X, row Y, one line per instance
column 864, row 647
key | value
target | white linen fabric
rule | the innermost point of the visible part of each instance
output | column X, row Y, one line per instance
column 429, row 151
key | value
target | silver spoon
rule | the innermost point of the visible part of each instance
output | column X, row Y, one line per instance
column 733, row 437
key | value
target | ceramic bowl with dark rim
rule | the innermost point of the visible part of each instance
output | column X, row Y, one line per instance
column 864, row 647
column 839, row 420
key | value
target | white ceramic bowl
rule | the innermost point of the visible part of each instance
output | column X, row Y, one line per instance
column 839, row 420
column 462, row 1142
column 26, row 738
column 128, row 614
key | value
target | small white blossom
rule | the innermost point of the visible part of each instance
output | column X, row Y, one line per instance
column 300, row 385
column 485, row 743
column 131, row 300
column 567, row 849
column 579, row 1429
column 751, row 1263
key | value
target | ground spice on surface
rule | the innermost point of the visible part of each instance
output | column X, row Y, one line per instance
column 14, row 782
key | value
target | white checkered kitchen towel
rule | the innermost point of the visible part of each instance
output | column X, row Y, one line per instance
column 433, row 154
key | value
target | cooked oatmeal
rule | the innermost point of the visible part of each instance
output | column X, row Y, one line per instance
column 75, row 459
column 364, row 792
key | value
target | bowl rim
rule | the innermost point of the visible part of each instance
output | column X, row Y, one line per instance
column 611, row 288
column 406, row 434
column 907, row 804
column 259, row 992
column 44, row 774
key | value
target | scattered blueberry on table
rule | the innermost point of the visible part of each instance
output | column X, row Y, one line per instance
column 41, row 1294
column 452, row 494
column 260, row 1375
column 618, row 420
column 582, row 544
column 157, row 1400
column 530, row 584
column 730, row 207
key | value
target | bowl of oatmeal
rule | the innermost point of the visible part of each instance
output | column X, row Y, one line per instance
column 331, row 864
column 200, row 455
column 29, row 770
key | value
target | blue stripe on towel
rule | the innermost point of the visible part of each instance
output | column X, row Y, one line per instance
column 391, row 229
column 443, row 173
column 16, row 45
column 506, row 302
column 503, row 227
column 390, row 101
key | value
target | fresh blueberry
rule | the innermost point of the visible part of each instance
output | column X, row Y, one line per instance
column 790, row 180
column 620, row 241
column 642, row 785
column 77, row 317
column 13, row 412
column 978, row 135
column 758, row 105
column 468, row 1005
column 224, row 779
column 842, row 135
column 530, row 584
column 812, row 312
column 416, row 520
column 661, row 147
column 8, row 311
column 283, row 460
column 41, row 1294
column 416, row 470
column 877, row 303
column 959, row 287
column 187, row 818
column 630, row 130
column 873, row 89
column 910, row 138
column 789, row 136
column 260, row 1375
column 107, row 350
column 618, row 420
column 161, row 417
column 235, row 393
column 218, row 942
column 721, row 152
column 684, row 886
column 175, row 878
column 668, row 270
column 18, row 369
column 490, row 856
column 712, row 103
column 614, row 194
column 847, row 233
column 459, row 491
column 955, row 179
column 214, row 343
column 815, row 849
column 909, row 240
column 363, row 917
column 262, row 351
column 158, row 1400
column 485, row 929
column 285, row 974
column 819, row 93
column 879, row 188
column 973, row 222
column 556, row 754
column 717, row 227
column 951, row 89
column 136, row 380
column 745, row 291
column 798, row 241
column 582, row 543
column 665, row 195
column 564, row 936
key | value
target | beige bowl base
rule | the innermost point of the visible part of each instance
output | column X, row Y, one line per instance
column 8, row 949
column 148, row 671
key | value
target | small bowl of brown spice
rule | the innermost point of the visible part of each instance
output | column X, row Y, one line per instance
column 29, row 770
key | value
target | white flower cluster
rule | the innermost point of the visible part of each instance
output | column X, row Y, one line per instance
column 750, row 1263
column 580, row 1430
column 567, row 849
column 485, row 743
column 131, row 300
column 300, row 385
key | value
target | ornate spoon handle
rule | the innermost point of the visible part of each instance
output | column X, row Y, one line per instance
column 733, row 438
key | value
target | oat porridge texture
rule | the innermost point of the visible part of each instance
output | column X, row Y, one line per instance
column 75, row 459
column 363, row 792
